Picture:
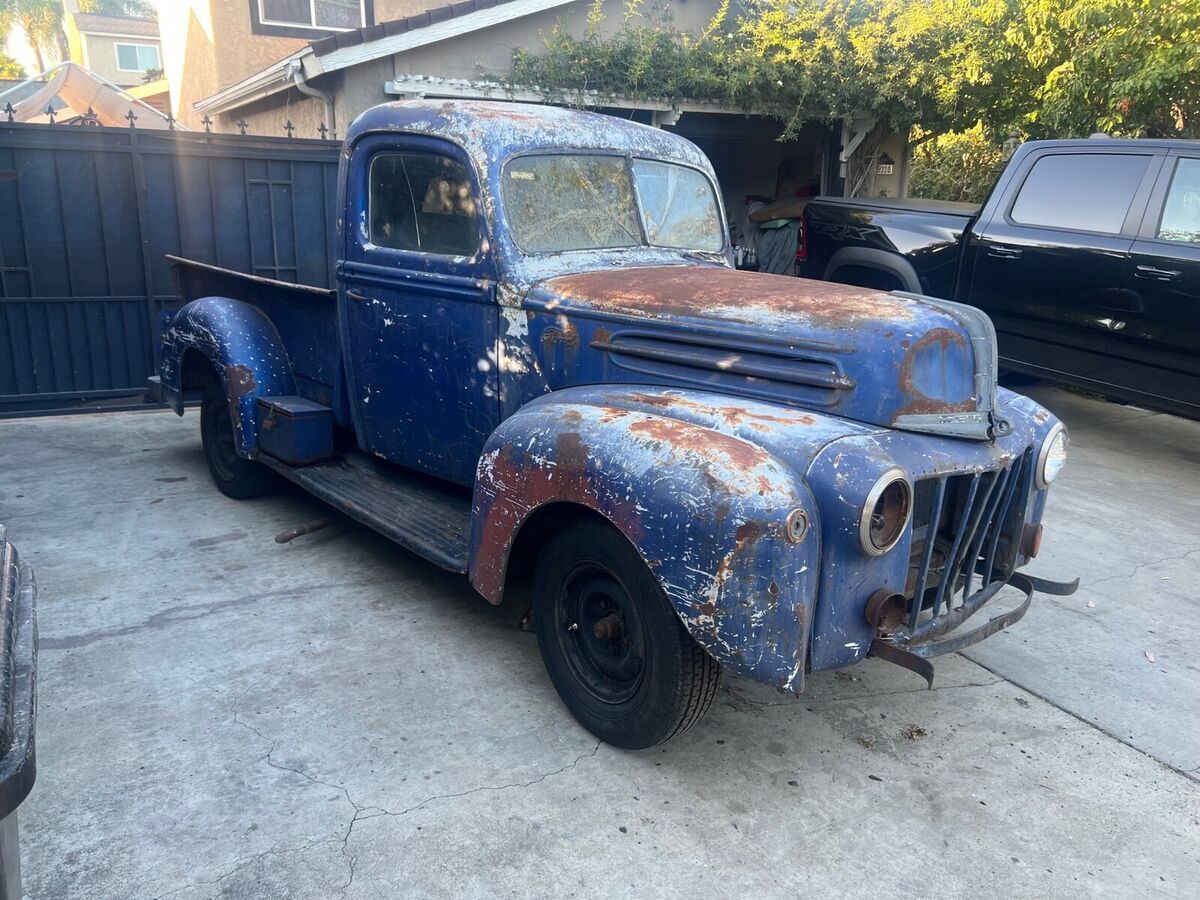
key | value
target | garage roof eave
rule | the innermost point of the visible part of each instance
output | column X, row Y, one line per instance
column 464, row 89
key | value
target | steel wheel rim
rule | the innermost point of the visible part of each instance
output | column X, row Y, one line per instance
column 600, row 634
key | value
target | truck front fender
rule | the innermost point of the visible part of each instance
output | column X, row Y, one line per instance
column 244, row 350
column 707, row 509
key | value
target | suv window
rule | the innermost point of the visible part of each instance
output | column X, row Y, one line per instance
column 1080, row 191
column 422, row 203
column 1181, row 213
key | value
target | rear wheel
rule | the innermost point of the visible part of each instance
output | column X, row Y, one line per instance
column 235, row 477
column 617, row 653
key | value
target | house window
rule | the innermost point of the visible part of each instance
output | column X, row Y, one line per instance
column 321, row 15
column 137, row 57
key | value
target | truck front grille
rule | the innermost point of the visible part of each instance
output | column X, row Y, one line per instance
column 963, row 525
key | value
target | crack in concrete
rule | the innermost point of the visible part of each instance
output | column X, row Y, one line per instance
column 1139, row 567
column 188, row 613
column 239, row 865
column 362, row 812
column 1095, row 726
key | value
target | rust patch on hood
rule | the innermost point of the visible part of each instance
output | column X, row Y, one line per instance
column 568, row 336
column 731, row 414
column 658, row 291
column 740, row 455
column 942, row 338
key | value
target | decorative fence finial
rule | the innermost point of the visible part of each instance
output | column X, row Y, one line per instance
column 170, row 122
column 242, row 126
column 51, row 113
column 289, row 127
column 131, row 117
column 90, row 118
column 9, row 111
column 207, row 122
column 322, row 131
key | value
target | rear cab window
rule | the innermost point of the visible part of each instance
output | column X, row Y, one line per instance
column 1080, row 191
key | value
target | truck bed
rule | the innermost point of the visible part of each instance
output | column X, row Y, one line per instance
column 913, row 204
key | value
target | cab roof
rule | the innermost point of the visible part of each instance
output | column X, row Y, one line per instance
column 492, row 131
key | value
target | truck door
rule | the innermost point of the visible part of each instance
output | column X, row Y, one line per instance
column 1156, row 349
column 418, row 308
column 1048, row 264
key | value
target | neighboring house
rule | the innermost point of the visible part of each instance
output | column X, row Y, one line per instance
column 310, row 63
column 120, row 49
column 211, row 44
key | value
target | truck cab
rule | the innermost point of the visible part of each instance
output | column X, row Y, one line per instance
column 539, row 368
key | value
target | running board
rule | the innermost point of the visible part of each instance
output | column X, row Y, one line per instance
column 420, row 514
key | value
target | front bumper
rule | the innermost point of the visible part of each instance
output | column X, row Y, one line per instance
column 912, row 648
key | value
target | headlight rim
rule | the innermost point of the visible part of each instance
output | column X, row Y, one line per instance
column 1044, row 454
column 882, row 483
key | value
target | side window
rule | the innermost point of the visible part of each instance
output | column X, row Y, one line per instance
column 422, row 203
column 1080, row 191
column 1181, row 213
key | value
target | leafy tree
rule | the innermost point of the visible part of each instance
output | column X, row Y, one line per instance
column 958, row 165
column 936, row 62
column 10, row 68
column 646, row 57
column 40, row 20
column 1129, row 67
column 1046, row 67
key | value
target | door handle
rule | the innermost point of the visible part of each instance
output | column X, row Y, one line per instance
column 1004, row 252
column 1154, row 274
column 355, row 295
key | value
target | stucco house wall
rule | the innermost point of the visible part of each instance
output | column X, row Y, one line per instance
column 100, row 55
column 209, row 45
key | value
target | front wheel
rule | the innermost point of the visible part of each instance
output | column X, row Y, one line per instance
column 617, row 653
column 236, row 477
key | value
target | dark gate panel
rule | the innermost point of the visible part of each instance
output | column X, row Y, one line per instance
column 86, row 217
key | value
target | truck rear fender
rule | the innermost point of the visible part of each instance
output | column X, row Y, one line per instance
column 708, row 511
column 880, row 261
column 243, row 349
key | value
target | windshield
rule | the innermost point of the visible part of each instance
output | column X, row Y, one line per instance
column 556, row 202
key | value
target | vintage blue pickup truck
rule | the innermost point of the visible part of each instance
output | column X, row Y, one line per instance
column 540, row 369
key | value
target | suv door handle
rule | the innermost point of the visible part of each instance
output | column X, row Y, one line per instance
column 1004, row 252
column 1157, row 274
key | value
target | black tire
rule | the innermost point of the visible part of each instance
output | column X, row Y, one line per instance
column 236, row 477
column 635, row 680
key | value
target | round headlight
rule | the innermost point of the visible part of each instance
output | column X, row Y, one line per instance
column 1053, row 455
column 885, row 514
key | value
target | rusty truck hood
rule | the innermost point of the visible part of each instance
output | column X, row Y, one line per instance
column 887, row 359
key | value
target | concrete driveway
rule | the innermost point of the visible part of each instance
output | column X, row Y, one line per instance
column 224, row 716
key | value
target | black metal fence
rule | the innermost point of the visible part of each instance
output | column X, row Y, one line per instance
column 86, row 216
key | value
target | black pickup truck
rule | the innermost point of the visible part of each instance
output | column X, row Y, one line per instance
column 1086, row 255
